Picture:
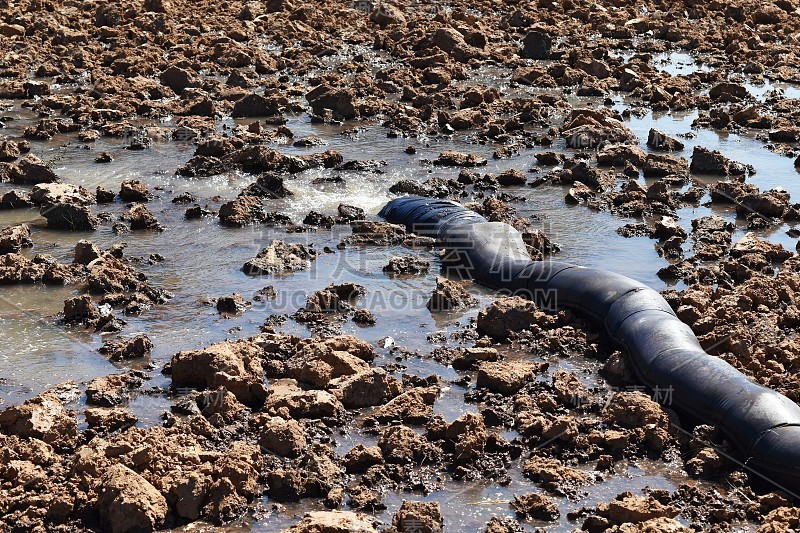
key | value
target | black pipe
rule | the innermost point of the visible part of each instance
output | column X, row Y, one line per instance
column 664, row 352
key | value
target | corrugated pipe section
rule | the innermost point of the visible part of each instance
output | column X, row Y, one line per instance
column 664, row 352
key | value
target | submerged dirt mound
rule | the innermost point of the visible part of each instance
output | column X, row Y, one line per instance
column 279, row 258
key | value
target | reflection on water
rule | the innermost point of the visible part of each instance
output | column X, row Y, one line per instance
column 769, row 89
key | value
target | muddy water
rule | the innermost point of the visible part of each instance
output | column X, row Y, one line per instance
column 202, row 260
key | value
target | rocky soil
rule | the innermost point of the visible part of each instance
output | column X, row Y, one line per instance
column 257, row 423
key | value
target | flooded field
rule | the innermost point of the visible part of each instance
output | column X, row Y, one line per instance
column 198, row 260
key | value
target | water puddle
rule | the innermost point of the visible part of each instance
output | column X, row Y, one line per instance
column 674, row 63
column 772, row 89
column 679, row 63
